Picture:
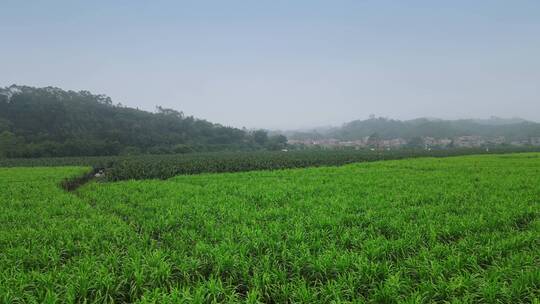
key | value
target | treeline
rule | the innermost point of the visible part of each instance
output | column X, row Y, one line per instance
column 46, row 122
column 511, row 129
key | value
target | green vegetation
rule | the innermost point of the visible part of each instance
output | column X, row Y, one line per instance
column 461, row 229
column 166, row 166
column 42, row 122
column 50, row 122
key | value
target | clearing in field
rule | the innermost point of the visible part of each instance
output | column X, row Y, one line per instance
column 420, row 230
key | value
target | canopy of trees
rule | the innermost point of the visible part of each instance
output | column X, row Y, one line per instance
column 37, row 122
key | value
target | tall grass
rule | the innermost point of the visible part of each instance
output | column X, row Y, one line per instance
column 461, row 229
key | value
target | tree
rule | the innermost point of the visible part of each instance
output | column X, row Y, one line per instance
column 260, row 137
column 182, row 148
column 5, row 125
column 8, row 144
column 276, row 142
column 416, row 143
column 170, row 112
column 374, row 140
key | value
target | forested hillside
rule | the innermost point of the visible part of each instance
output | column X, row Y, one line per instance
column 512, row 129
column 37, row 122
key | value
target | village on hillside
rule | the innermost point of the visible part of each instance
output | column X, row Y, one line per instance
column 373, row 142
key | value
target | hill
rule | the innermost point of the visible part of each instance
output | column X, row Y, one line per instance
column 49, row 121
column 511, row 129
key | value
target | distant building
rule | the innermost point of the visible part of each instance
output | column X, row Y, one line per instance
column 535, row 141
column 495, row 141
column 393, row 143
column 429, row 142
column 472, row 141
column 444, row 142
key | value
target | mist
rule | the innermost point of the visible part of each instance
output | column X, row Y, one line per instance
column 284, row 65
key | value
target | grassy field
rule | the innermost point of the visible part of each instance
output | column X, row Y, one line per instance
column 460, row 229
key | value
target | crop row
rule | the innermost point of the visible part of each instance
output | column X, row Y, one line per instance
column 166, row 166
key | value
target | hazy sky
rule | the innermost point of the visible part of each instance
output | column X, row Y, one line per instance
column 283, row 64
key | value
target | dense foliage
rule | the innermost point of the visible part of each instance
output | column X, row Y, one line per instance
column 511, row 129
column 165, row 166
column 38, row 122
column 425, row 230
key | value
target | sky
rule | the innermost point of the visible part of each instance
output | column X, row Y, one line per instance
column 283, row 64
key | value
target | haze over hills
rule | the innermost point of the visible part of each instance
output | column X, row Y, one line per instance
column 385, row 128
column 49, row 121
